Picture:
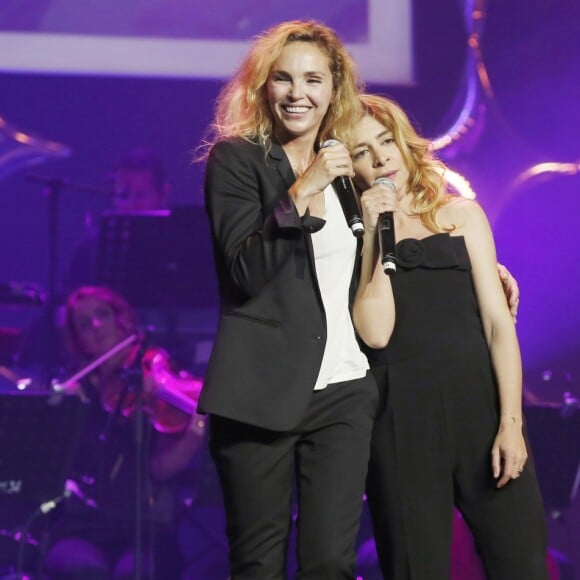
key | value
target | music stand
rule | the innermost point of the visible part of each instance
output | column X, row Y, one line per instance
column 158, row 259
column 38, row 440
column 37, row 444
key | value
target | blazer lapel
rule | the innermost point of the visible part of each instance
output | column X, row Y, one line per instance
column 282, row 163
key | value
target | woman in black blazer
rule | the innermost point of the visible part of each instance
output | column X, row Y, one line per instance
column 287, row 386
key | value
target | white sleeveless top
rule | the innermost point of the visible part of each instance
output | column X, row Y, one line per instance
column 334, row 253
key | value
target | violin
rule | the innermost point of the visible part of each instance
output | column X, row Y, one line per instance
column 169, row 398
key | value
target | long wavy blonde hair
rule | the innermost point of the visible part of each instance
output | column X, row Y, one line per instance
column 242, row 108
column 426, row 181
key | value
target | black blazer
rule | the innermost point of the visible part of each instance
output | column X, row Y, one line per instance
column 272, row 328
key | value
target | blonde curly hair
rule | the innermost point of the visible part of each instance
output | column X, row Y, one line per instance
column 426, row 181
column 242, row 108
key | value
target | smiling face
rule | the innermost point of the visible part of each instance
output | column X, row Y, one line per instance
column 299, row 91
column 375, row 154
column 96, row 326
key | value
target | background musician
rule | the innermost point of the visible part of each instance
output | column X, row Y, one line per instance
column 95, row 535
column 139, row 184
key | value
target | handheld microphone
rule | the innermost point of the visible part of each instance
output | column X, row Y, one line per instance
column 348, row 197
column 386, row 233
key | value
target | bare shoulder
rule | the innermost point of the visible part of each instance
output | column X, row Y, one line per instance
column 458, row 212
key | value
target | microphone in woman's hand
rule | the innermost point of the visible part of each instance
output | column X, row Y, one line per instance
column 386, row 233
column 348, row 197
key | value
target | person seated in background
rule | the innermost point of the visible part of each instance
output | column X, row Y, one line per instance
column 94, row 535
column 139, row 184
column 140, row 181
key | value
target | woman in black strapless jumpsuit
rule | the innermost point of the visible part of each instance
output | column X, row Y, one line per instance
column 445, row 407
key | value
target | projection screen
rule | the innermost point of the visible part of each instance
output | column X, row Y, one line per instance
column 190, row 38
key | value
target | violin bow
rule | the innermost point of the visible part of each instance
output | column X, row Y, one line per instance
column 60, row 387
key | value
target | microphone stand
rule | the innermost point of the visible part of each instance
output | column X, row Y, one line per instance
column 59, row 388
column 132, row 378
column 22, row 535
column 52, row 190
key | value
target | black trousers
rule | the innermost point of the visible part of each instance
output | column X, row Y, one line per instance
column 413, row 517
column 328, row 454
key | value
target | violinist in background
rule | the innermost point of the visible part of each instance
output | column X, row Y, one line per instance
column 95, row 535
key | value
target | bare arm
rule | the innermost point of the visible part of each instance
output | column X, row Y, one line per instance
column 509, row 452
column 374, row 306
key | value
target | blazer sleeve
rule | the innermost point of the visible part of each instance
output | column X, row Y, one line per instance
column 254, row 222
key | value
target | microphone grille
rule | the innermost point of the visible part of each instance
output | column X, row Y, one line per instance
column 385, row 181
